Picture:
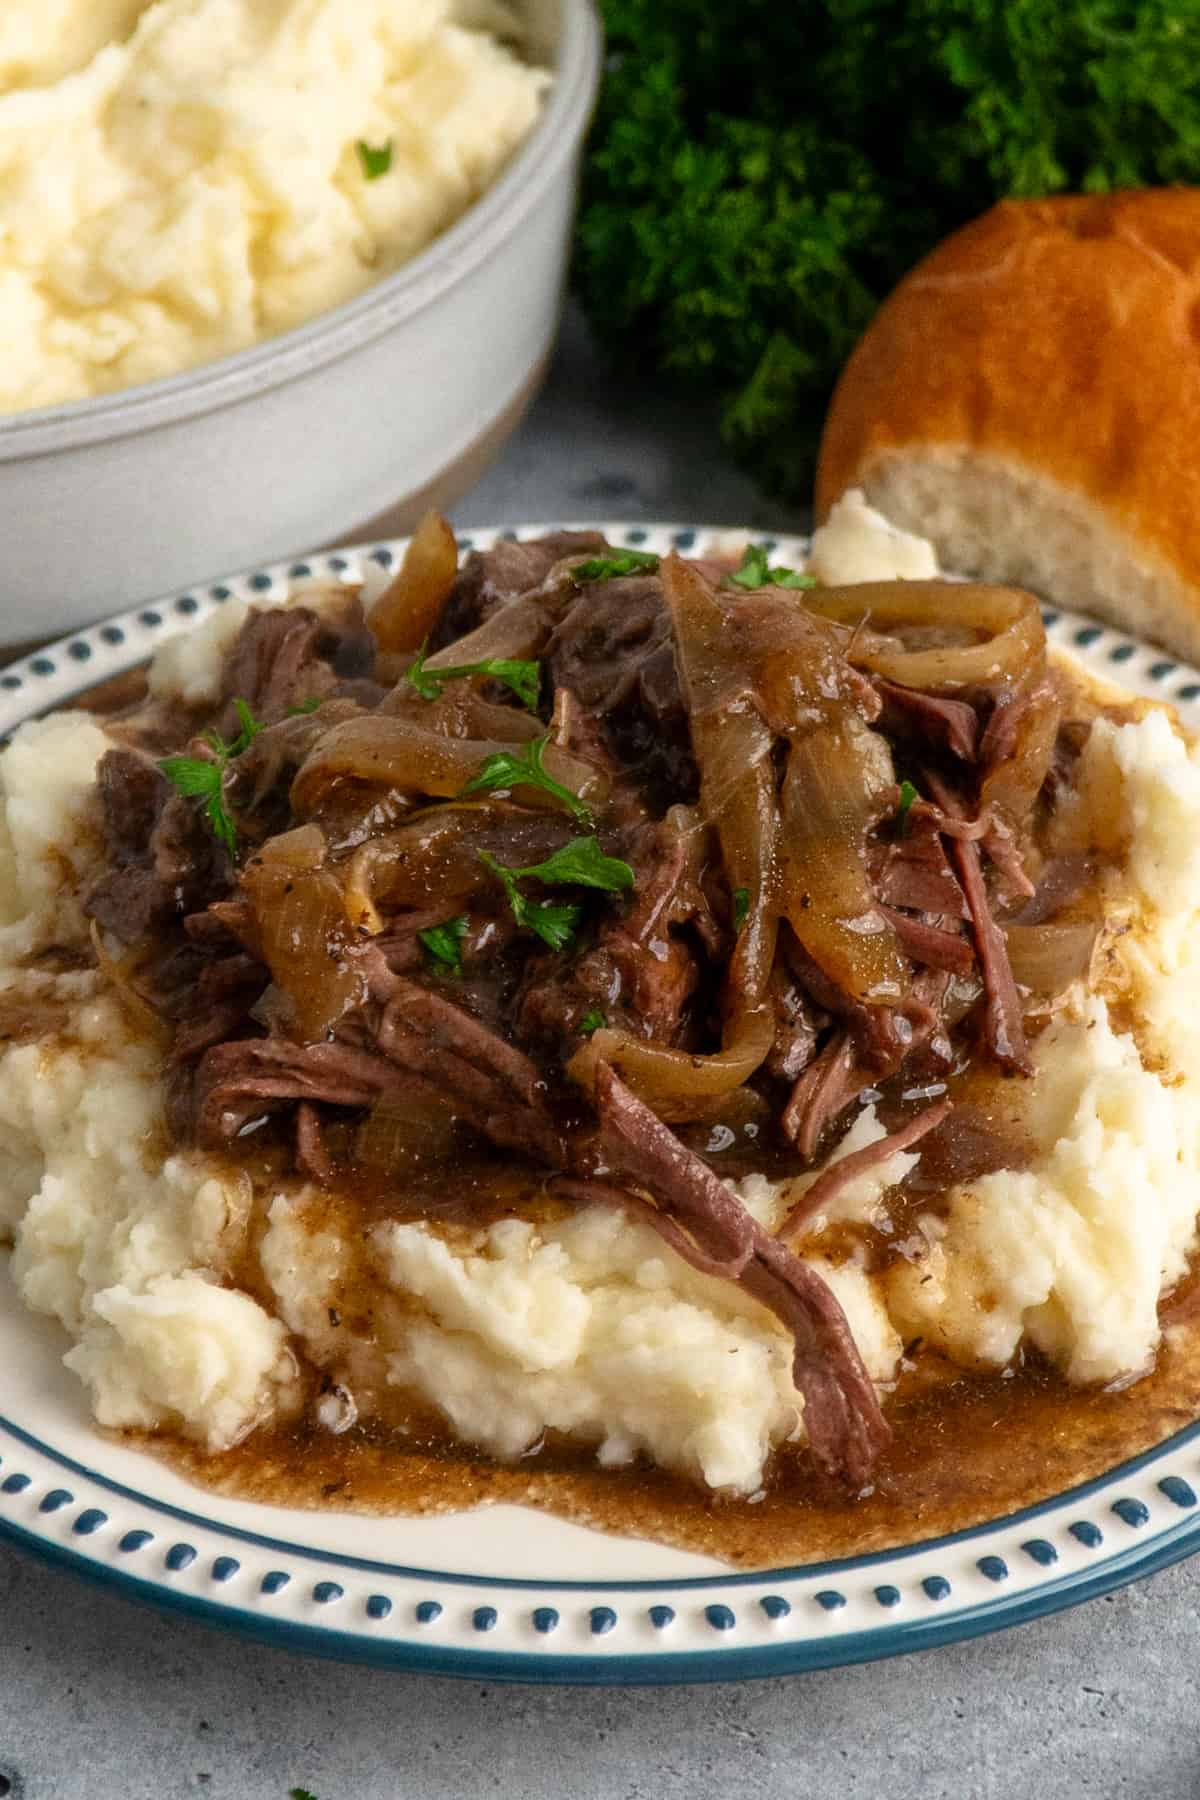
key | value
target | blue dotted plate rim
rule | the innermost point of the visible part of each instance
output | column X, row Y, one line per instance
column 1044, row 1576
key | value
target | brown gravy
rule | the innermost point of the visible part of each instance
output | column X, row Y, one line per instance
column 967, row 1448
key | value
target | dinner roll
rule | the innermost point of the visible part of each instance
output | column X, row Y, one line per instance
column 1029, row 399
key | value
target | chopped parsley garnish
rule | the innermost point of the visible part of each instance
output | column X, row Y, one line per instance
column 555, row 925
column 300, row 1794
column 755, row 571
column 303, row 706
column 624, row 562
column 908, row 794
column 592, row 1020
column 375, row 162
column 443, row 943
column 523, row 768
column 741, row 907
column 522, row 678
column 198, row 778
column 582, row 863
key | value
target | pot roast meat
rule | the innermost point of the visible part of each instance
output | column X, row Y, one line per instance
column 641, row 971
column 930, row 719
column 614, row 650
column 1004, row 1024
column 284, row 655
column 162, row 861
column 489, row 579
column 832, row 1180
column 846, row 1429
column 217, row 1005
column 495, row 1087
column 930, row 940
column 913, row 871
column 312, row 1158
column 236, row 1083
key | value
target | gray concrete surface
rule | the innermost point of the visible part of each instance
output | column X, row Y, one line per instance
column 103, row 1701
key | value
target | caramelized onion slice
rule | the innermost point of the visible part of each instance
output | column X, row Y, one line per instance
column 399, row 1139
column 1023, row 731
column 408, row 609
column 1013, row 638
column 677, row 1086
column 399, row 750
column 732, row 744
column 433, row 858
column 516, row 631
column 835, row 787
column 119, row 973
column 1048, row 958
column 304, row 936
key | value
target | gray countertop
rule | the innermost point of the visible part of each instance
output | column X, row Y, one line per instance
column 100, row 1700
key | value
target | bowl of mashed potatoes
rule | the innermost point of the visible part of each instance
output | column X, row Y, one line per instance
column 230, row 231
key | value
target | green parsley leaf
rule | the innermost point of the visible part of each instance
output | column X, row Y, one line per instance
column 524, row 679
column 908, row 794
column 582, row 861
column 741, row 907
column 625, row 562
column 555, row 925
column 300, row 1794
column 443, row 943
column 197, row 778
column 250, row 728
column 592, row 1020
column 523, row 768
column 755, row 571
column 303, row 706
column 375, row 162
column 192, row 775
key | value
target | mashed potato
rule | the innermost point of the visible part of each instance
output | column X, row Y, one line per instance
column 181, row 179
column 589, row 1325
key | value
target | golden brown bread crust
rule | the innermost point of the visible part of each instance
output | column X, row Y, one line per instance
column 1062, row 334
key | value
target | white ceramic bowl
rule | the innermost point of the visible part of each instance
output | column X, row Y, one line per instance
column 368, row 413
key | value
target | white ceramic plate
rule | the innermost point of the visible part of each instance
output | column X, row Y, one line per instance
column 509, row 1593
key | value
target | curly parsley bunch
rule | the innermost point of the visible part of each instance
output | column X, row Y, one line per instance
column 762, row 171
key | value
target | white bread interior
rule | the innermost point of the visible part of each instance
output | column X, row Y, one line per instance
column 992, row 517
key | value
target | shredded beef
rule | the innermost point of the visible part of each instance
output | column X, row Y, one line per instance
column 489, row 579
column 913, row 871
column 845, row 1427
column 822, row 1094
column 1003, row 1017
column 642, row 970
column 614, row 650
column 837, row 1176
column 949, row 725
column 244, row 1080
column 927, row 940
column 162, row 862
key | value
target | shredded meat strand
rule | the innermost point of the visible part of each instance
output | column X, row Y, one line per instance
column 846, row 1429
column 832, row 1180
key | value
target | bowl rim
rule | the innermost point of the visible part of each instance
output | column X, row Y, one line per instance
column 336, row 332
